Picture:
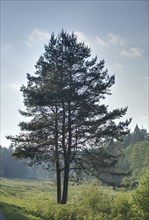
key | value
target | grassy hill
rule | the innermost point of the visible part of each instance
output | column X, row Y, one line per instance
column 35, row 200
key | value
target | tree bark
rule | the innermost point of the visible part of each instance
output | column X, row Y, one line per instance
column 67, row 155
column 58, row 168
column 65, row 184
column 58, row 182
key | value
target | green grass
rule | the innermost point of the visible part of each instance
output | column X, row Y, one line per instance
column 32, row 200
column 36, row 200
column 26, row 200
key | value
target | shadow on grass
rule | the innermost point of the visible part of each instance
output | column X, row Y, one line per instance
column 13, row 212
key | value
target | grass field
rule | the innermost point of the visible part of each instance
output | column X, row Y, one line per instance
column 31, row 200
column 25, row 200
column 36, row 200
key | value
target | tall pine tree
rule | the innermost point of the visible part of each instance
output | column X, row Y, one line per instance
column 63, row 99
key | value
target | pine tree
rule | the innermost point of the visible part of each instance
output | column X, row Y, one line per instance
column 138, row 135
column 63, row 99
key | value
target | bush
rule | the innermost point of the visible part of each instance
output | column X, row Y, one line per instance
column 94, row 204
column 141, row 196
column 121, row 207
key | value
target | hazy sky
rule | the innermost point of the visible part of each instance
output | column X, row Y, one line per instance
column 115, row 30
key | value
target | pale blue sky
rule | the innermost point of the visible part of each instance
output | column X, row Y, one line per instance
column 115, row 30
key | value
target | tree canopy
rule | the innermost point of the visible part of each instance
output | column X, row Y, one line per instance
column 139, row 134
column 64, row 100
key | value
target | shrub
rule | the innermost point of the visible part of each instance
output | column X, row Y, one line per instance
column 121, row 207
column 94, row 203
column 141, row 196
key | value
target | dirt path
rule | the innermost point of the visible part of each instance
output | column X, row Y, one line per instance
column 2, row 217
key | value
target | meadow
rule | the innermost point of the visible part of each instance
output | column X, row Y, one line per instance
column 36, row 200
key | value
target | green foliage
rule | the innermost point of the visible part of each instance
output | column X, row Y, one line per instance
column 27, row 200
column 125, row 208
column 102, row 163
column 95, row 201
column 141, row 196
column 135, row 159
column 121, row 207
column 139, row 157
column 35, row 201
column 139, row 134
column 67, row 212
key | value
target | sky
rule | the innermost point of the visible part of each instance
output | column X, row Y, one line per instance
column 116, row 31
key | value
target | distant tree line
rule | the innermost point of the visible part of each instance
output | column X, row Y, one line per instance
column 139, row 134
column 9, row 167
column 134, row 156
column 12, row 168
column 118, row 165
column 135, row 159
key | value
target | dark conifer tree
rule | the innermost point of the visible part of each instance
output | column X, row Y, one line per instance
column 64, row 100
column 139, row 134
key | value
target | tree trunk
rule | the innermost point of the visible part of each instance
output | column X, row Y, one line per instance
column 58, row 171
column 58, row 182
column 65, row 186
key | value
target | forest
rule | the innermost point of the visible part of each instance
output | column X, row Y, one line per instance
column 13, row 168
column 134, row 159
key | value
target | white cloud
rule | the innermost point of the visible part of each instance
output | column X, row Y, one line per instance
column 146, row 78
column 115, row 40
column 112, row 42
column 118, row 44
column 101, row 42
column 132, row 52
column 83, row 38
column 28, row 43
column 117, row 67
column 36, row 36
